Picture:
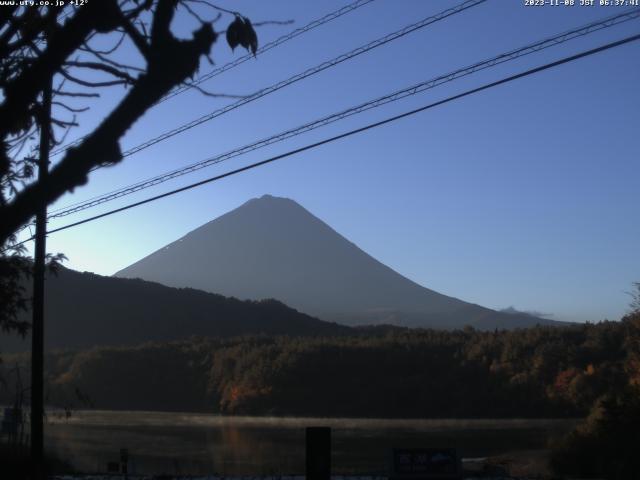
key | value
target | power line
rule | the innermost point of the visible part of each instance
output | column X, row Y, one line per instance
column 240, row 60
column 561, row 38
column 285, row 38
column 305, row 74
column 406, row 92
column 300, row 76
column 354, row 132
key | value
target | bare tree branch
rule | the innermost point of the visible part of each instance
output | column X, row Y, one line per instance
column 105, row 68
column 169, row 63
column 109, row 51
column 76, row 94
column 91, row 84
column 23, row 90
column 70, row 109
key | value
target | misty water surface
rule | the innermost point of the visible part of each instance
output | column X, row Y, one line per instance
column 179, row 443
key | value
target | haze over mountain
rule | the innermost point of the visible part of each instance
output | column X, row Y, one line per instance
column 86, row 310
column 272, row 247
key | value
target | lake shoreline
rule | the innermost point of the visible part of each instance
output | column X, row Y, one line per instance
column 231, row 446
column 133, row 417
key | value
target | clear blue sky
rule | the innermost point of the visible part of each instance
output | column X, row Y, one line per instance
column 525, row 195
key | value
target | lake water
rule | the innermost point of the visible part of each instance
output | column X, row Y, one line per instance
column 197, row 444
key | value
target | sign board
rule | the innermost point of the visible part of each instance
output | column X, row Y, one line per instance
column 425, row 463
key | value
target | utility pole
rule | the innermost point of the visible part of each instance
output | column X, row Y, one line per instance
column 37, row 327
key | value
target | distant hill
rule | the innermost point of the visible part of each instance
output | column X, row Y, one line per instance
column 273, row 248
column 84, row 309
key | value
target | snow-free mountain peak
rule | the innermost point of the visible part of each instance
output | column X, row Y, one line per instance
column 272, row 247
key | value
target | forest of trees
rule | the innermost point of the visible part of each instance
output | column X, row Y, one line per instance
column 537, row 372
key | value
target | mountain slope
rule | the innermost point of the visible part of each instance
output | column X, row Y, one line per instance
column 273, row 248
column 83, row 309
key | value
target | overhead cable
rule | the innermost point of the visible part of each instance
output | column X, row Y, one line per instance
column 395, row 96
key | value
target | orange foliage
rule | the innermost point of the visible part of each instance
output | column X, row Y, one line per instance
column 564, row 378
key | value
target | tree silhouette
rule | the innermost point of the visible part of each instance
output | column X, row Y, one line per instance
column 39, row 44
column 66, row 46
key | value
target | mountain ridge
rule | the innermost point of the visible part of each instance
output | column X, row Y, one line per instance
column 271, row 247
column 83, row 309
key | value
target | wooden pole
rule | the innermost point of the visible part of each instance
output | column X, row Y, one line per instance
column 37, row 327
column 318, row 458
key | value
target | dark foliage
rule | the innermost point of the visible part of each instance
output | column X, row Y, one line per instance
column 14, row 269
column 15, row 273
column 54, row 48
column 241, row 32
column 538, row 372
column 605, row 445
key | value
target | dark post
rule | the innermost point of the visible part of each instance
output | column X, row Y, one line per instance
column 124, row 462
column 318, row 453
column 37, row 327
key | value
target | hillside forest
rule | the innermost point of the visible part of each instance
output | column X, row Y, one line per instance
column 379, row 372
